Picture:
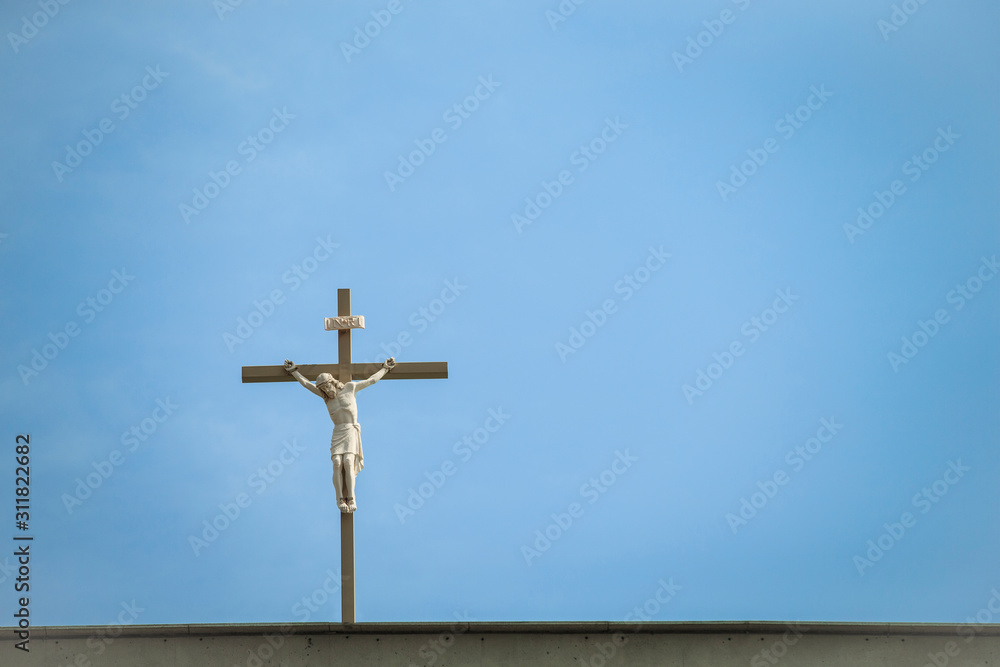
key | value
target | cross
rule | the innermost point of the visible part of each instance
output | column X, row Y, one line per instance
column 345, row 370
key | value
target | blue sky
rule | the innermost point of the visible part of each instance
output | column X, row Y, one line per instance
column 645, row 220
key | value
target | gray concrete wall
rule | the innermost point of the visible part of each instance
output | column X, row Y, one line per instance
column 542, row 644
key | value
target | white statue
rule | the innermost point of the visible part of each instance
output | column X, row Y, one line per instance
column 345, row 445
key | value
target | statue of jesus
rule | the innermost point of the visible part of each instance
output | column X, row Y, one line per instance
column 345, row 445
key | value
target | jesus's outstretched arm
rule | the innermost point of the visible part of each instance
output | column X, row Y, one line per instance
column 387, row 366
column 294, row 371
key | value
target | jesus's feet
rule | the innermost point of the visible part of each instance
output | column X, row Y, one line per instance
column 343, row 506
column 351, row 504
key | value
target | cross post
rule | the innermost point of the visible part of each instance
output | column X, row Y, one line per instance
column 345, row 370
column 346, row 518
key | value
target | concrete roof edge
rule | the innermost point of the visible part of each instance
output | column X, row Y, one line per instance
column 530, row 627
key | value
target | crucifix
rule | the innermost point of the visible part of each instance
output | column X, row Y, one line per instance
column 345, row 370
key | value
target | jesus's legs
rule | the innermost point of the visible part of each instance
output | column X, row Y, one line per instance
column 349, row 473
column 338, row 480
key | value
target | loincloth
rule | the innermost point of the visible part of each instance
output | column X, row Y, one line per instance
column 346, row 439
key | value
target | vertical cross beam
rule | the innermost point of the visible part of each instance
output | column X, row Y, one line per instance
column 346, row 518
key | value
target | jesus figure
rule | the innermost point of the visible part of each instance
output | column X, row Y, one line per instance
column 345, row 445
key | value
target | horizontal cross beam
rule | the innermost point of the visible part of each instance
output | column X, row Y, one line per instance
column 410, row 370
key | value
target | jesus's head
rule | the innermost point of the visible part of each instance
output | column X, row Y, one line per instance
column 328, row 385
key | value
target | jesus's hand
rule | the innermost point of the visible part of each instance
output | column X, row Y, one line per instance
column 290, row 366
